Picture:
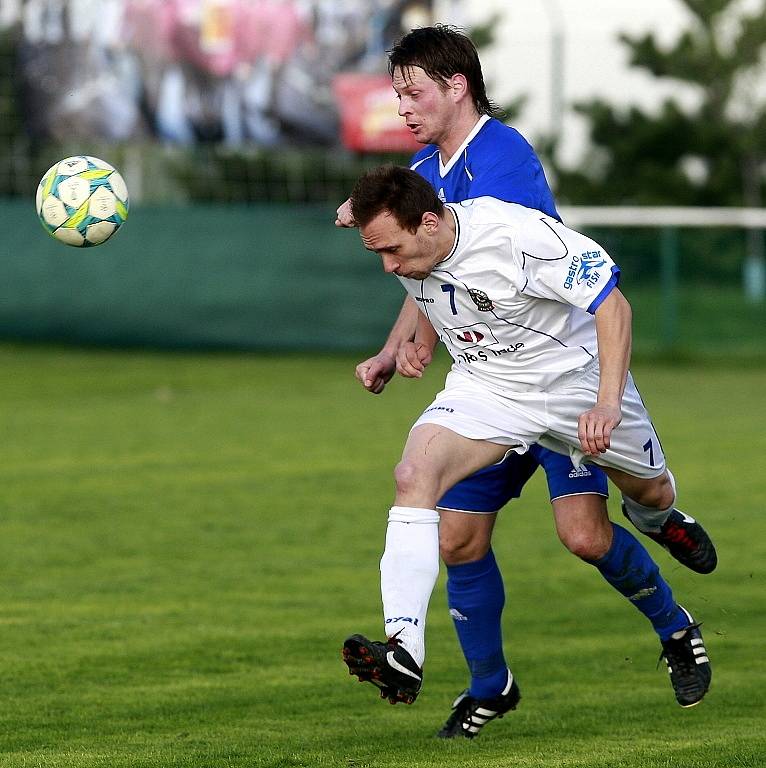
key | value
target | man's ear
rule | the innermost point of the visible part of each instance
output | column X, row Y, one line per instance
column 430, row 221
column 459, row 86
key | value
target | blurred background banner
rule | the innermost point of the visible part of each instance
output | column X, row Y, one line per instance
column 185, row 71
column 240, row 125
column 368, row 122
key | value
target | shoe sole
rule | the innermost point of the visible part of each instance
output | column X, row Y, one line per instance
column 361, row 662
column 461, row 733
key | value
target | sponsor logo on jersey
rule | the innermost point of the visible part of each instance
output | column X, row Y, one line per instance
column 456, row 615
column 467, row 336
column 481, row 300
column 579, row 472
column 425, row 300
column 584, row 269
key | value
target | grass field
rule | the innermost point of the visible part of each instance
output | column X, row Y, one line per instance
column 187, row 539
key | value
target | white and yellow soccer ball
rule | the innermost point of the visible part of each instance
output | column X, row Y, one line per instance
column 82, row 201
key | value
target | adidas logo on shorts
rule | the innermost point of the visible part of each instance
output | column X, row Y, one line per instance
column 579, row 472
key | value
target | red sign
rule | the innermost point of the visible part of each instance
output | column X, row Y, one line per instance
column 369, row 114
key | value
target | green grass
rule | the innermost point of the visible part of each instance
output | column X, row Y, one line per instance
column 187, row 539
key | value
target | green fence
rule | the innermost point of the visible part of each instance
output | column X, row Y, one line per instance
column 234, row 276
column 277, row 277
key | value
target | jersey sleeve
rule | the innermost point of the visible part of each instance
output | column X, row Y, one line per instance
column 560, row 264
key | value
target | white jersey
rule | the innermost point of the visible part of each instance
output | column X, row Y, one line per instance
column 508, row 300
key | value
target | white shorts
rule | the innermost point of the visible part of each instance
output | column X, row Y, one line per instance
column 519, row 419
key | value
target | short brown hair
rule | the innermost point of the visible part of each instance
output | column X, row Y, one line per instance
column 400, row 191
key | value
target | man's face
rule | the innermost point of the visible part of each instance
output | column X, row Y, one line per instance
column 403, row 253
column 427, row 107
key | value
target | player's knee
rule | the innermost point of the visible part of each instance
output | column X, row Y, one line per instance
column 405, row 476
column 587, row 544
column 413, row 481
column 658, row 493
column 457, row 548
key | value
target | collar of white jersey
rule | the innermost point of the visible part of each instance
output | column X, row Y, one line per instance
column 445, row 169
column 452, row 210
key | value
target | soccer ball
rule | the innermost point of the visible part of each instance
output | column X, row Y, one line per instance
column 82, row 201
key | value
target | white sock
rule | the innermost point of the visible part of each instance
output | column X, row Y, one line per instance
column 408, row 571
column 649, row 519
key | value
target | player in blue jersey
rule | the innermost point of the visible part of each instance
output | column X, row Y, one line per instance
column 437, row 76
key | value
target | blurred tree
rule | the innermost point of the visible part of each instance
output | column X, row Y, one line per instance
column 713, row 153
column 10, row 119
column 482, row 36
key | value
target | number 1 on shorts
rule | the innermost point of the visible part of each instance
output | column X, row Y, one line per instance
column 648, row 447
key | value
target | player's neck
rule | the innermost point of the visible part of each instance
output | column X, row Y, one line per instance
column 447, row 234
column 457, row 134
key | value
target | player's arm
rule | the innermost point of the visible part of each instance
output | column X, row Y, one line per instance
column 375, row 372
column 415, row 355
column 613, row 330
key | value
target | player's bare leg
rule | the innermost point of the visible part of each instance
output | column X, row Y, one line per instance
column 463, row 536
column 434, row 459
column 583, row 525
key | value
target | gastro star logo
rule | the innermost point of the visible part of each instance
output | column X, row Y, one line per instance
column 470, row 336
column 481, row 300
column 584, row 269
column 591, row 260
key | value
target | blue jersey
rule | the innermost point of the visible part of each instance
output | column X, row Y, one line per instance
column 495, row 160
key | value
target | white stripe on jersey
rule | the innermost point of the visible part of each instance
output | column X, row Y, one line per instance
column 445, row 168
column 423, row 159
column 508, row 301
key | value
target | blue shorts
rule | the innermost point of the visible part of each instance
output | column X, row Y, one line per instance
column 491, row 488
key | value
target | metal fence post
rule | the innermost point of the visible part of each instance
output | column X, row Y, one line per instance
column 754, row 267
column 669, row 286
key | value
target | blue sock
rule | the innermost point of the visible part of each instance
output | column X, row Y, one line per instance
column 476, row 598
column 629, row 568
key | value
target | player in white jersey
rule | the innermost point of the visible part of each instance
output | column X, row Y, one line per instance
column 504, row 286
column 437, row 76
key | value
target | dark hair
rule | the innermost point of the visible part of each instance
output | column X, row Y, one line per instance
column 442, row 51
column 400, row 191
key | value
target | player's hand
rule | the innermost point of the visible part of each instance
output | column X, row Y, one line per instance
column 412, row 359
column 375, row 372
column 344, row 217
column 594, row 428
